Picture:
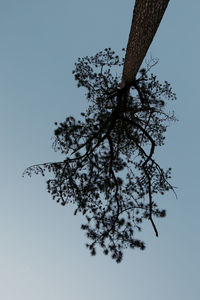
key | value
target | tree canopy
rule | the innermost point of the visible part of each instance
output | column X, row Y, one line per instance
column 109, row 170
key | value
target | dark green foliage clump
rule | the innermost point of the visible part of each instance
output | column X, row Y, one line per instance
column 109, row 171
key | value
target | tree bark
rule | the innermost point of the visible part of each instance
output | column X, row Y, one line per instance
column 147, row 16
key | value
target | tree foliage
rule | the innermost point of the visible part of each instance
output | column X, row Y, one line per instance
column 109, row 170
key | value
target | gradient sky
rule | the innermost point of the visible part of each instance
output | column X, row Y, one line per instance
column 42, row 252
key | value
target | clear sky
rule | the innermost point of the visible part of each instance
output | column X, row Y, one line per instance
column 42, row 252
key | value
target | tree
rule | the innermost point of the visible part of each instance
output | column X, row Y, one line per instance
column 109, row 170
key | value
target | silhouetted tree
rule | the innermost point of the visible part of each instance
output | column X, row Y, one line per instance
column 109, row 169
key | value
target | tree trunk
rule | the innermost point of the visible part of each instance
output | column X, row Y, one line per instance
column 147, row 16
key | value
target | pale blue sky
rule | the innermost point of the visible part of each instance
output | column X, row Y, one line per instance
column 42, row 252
